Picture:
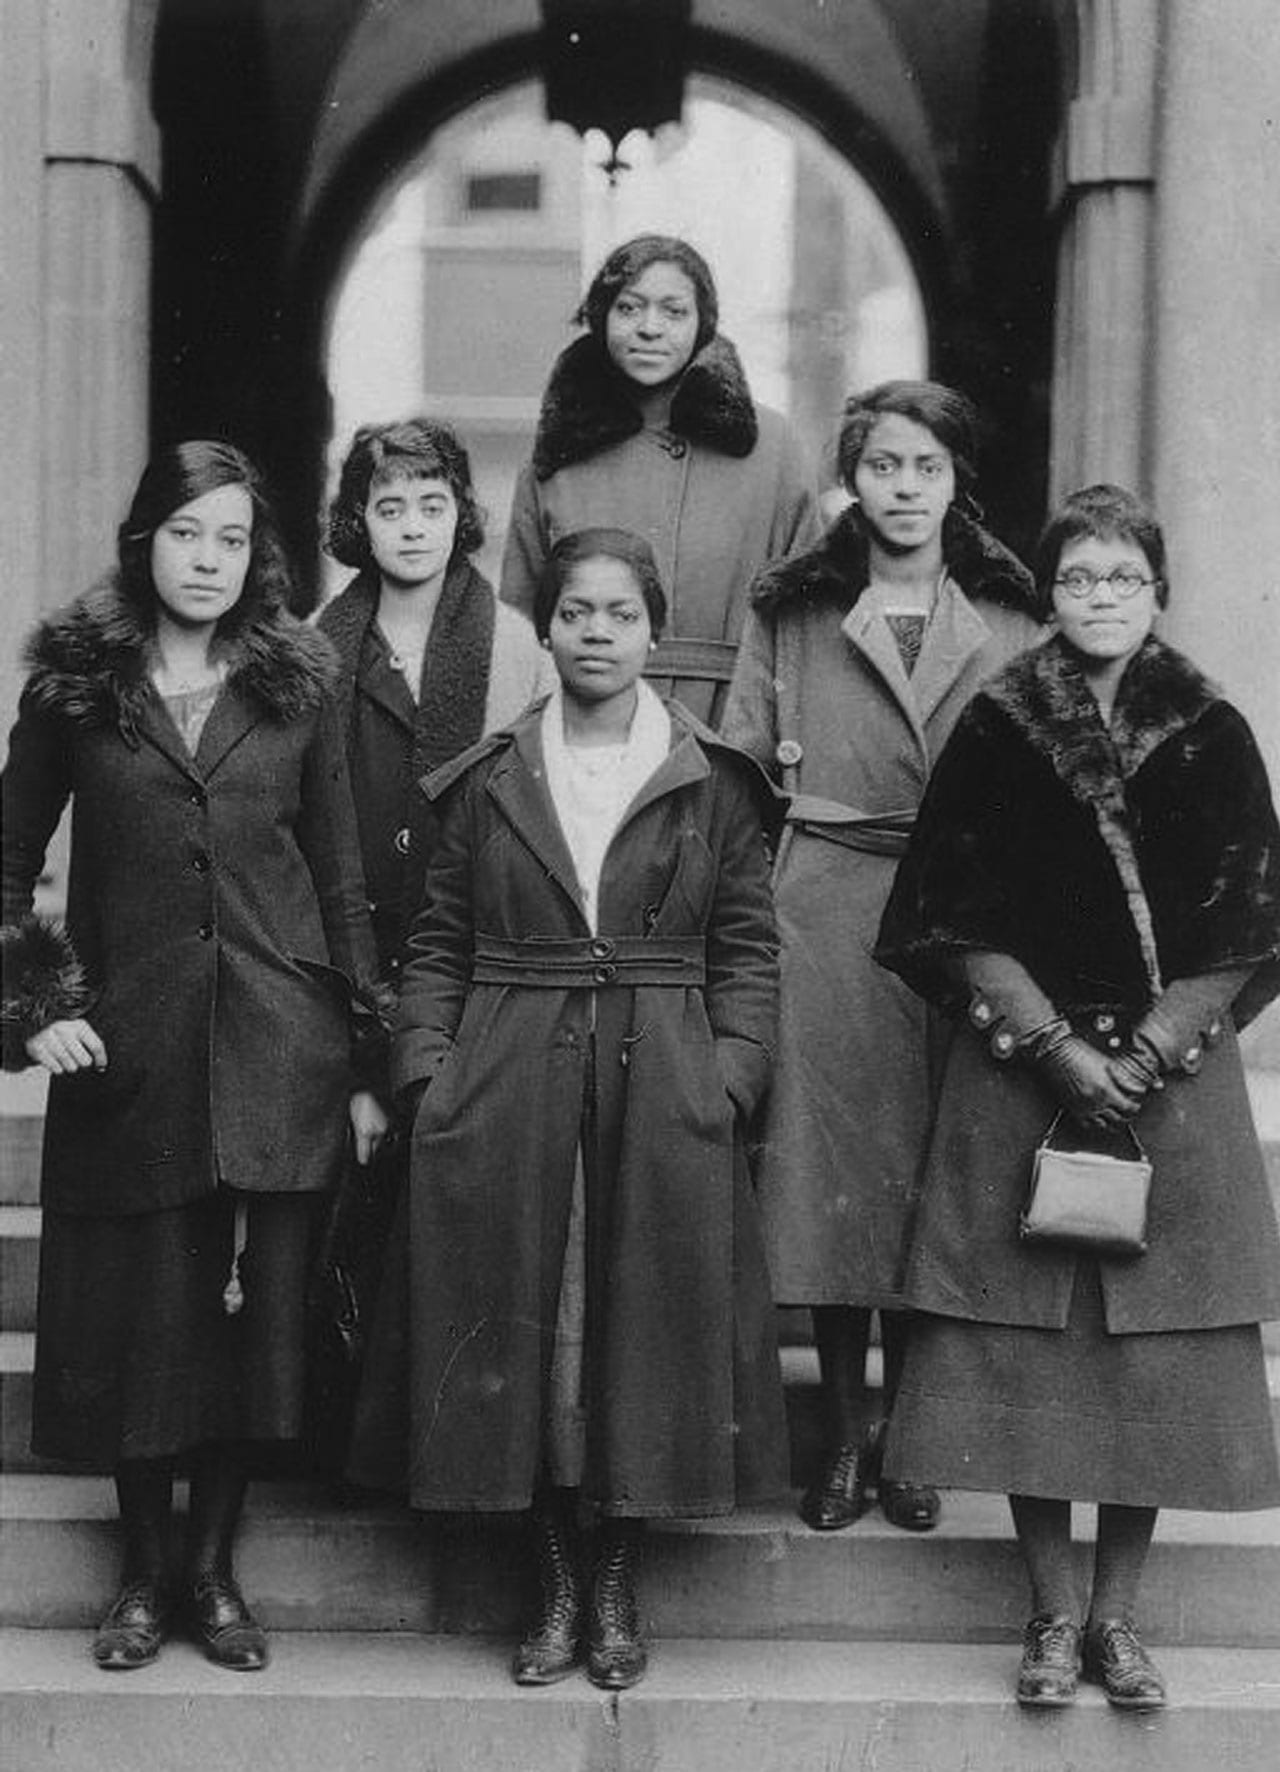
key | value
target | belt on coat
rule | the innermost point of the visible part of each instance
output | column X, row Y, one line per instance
column 707, row 661
column 590, row 961
column 885, row 833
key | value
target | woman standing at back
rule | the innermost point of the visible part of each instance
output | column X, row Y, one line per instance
column 648, row 424
column 856, row 660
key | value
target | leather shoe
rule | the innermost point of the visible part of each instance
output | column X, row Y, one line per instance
column 1050, row 1666
column 1115, row 1660
column 131, row 1633
column 913, row 1507
column 553, row 1645
column 616, row 1653
column 838, row 1495
column 224, row 1626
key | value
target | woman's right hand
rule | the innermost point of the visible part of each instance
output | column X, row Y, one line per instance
column 67, row 1046
column 1089, row 1086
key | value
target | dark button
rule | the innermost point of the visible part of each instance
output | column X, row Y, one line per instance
column 402, row 840
column 394, row 964
column 602, row 948
column 201, row 863
column 604, row 974
column 206, row 932
column 196, row 796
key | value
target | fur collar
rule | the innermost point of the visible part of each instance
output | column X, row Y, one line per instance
column 88, row 662
column 588, row 406
column 1045, row 694
column 837, row 570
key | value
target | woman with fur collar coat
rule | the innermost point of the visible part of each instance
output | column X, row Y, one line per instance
column 856, row 661
column 1094, row 877
column 195, row 1015
column 648, row 425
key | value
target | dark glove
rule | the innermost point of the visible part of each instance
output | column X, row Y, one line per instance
column 1174, row 1032
column 1094, row 1089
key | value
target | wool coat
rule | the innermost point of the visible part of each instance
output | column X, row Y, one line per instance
column 216, row 931
column 1110, row 864
column 645, row 1046
column 490, row 668
column 820, row 696
column 718, row 495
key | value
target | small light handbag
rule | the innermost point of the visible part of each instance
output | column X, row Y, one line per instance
column 1088, row 1199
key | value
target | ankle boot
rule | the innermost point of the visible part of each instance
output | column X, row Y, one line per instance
column 552, row 1646
column 217, row 1615
column 616, row 1654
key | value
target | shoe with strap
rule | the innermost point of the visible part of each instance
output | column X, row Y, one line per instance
column 1050, row 1669
column 1115, row 1659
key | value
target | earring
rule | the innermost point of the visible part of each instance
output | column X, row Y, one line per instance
column 545, row 643
column 653, row 645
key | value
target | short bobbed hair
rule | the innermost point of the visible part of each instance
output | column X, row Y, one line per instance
column 599, row 544
column 173, row 477
column 946, row 412
column 1099, row 513
column 631, row 260
column 411, row 448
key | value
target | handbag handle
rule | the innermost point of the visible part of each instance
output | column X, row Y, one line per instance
column 1125, row 1126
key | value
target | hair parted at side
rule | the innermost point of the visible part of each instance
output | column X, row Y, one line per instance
column 631, row 260
column 413, row 448
column 599, row 544
column 1100, row 513
column 949, row 414
column 176, row 474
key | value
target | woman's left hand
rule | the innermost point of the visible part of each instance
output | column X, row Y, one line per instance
column 369, row 1124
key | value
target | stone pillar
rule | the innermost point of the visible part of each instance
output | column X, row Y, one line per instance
column 81, row 155
column 1217, row 348
column 1104, row 178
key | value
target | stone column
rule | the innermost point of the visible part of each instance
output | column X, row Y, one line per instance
column 1105, row 196
column 1217, row 348
column 81, row 155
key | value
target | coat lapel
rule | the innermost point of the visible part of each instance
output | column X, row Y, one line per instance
column 385, row 686
column 230, row 718
column 154, row 725
column 953, row 636
column 868, row 632
column 518, row 785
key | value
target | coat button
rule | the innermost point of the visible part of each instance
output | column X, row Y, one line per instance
column 402, row 840
column 1002, row 1044
column 196, row 796
column 1104, row 1023
column 980, row 1012
column 789, row 752
column 602, row 948
column 201, row 863
column 605, row 974
column 206, row 932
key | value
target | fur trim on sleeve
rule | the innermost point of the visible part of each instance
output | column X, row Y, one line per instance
column 43, row 982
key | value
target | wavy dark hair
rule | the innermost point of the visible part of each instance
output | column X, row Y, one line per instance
column 417, row 449
column 172, row 478
column 1100, row 513
column 950, row 415
column 631, row 260
column 599, row 544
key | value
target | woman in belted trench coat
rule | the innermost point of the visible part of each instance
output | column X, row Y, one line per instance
column 856, row 659
column 592, row 1027
column 1095, row 879
column 430, row 661
column 195, row 1014
column 648, row 423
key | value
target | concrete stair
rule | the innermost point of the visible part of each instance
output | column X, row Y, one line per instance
column 773, row 1647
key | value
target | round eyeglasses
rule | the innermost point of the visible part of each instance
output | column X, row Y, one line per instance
column 1082, row 581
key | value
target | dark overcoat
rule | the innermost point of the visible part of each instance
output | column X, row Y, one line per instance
column 216, row 926
column 820, row 697
column 717, row 495
column 647, row 1046
column 1102, row 861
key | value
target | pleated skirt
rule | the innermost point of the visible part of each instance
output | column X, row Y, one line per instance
column 1181, row 1419
column 136, row 1354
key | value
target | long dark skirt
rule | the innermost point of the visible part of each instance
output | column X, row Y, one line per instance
column 136, row 1356
column 1180, row 1419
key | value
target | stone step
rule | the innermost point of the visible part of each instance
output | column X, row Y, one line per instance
column 311, row 1563
column 331, row 1703
column 19, row 1260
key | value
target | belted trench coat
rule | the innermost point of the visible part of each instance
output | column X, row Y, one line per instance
column 645, row 1047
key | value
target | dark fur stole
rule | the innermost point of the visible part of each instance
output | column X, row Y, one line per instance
column 589, row 406
column 43, row 982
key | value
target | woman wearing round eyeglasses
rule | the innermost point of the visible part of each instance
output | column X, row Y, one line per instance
column 1094, row 885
